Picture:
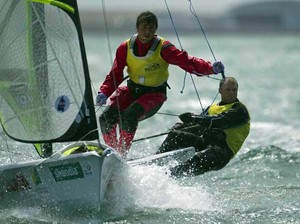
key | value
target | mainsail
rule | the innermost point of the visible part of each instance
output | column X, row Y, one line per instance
column 45, row 89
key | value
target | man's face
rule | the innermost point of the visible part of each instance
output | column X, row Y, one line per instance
column 228, row 91
column 146, row 32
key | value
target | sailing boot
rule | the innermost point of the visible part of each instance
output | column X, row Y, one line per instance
column 110, row 138
column 125, row 142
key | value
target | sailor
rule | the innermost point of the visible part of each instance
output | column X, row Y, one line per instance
column 217, row 133
column 147, row 57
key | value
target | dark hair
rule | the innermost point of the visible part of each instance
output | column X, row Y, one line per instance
column 146, row 17
column 231, row 79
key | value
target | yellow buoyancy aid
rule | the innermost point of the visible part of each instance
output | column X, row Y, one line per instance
column 235, row 136
column 149, row 70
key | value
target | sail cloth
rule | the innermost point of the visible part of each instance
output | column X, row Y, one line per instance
column 45, row 90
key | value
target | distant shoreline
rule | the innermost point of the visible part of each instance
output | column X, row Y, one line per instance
column 259, row 17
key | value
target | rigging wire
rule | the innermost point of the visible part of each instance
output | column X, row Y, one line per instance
column 176, row 33
column 168, row 114
column 107, row 31
column 184, row 80
column 193, row 11
column 175, row 30
column 110, row 55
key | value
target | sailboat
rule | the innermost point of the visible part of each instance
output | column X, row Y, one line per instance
column 46, row 98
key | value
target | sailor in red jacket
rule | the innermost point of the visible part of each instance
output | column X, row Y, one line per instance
column 147, row 57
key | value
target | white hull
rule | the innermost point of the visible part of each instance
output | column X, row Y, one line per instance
column 79, row 180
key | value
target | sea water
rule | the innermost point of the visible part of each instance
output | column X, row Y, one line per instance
column 260, row 185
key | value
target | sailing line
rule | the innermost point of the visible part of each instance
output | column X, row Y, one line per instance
column 110, row 56
column 193, row 11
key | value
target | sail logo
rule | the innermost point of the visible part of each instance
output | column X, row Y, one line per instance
column 23, row 100
column 62, row 103
column 67, row 172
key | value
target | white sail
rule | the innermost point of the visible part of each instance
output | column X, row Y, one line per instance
column 45, row 90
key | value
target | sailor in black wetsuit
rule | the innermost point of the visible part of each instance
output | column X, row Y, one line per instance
column 217, row 134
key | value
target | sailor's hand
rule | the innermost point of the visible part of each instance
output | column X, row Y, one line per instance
column 177, row 126
column 101, row 99
column 204, row 121
column 218, row 67
column 186, row 117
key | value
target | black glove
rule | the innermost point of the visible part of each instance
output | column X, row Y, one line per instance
column 186, row 117
column 204, row 121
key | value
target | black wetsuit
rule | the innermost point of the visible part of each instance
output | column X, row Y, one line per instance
column 207, row 135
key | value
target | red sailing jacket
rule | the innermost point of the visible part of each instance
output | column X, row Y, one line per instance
column 169, row 53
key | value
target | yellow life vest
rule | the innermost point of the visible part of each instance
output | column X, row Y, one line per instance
column 82, row 148
column 235, row 136
column 150, row 70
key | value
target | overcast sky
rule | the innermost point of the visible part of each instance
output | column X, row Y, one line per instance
column 200, row 6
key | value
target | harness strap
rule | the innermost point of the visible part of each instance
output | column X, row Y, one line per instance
column 152, row 48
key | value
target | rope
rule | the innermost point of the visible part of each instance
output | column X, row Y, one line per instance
column 184, row 79
column 193, row 11
column 106, row 30
column 111, row 59
column 152, row 136
column 176, row 33
column 194, row 14
column 165, row 133
column 168, row 114
column 171, row 18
